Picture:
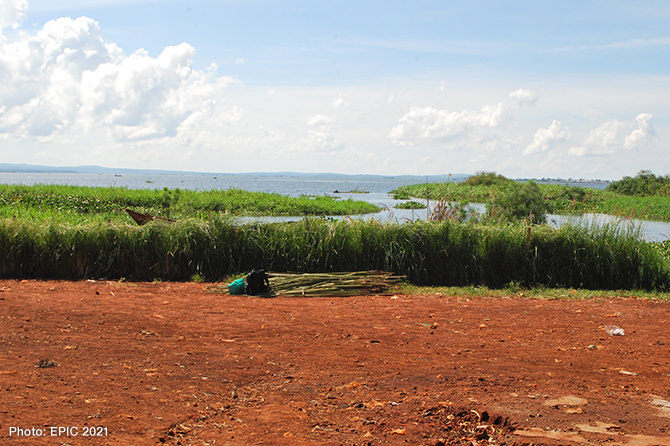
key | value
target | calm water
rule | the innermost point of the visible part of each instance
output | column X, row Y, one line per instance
column 292, row 185
column 308, row 184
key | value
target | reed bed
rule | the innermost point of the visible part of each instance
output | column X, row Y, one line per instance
column 427, row 253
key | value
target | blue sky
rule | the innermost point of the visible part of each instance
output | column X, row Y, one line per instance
column 526, row 88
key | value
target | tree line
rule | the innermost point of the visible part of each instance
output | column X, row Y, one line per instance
column 643, row 184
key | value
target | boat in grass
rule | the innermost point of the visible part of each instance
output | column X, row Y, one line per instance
column 142, row 219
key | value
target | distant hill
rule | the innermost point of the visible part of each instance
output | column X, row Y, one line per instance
column 413, row 179
column 6, row 167
column 30, row 168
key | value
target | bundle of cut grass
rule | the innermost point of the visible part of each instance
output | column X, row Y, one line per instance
column 332, row 284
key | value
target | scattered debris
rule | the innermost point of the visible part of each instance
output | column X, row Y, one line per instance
column 374, row 403
column 550, row 434
column 402, row 431
column 663, row 405
column 613, row 330
column 431, row 325
column 462, row 426
column 598, row 427
column 569, row 400
column 46, row 363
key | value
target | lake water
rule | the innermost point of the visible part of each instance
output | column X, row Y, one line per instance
column 285, row 184
column 377, row 188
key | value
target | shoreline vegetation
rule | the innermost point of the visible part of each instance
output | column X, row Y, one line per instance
column 75, row 204
column 643, row 197
column 443, row 253
column 73, row 232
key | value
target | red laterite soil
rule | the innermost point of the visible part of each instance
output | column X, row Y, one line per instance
column 175, row 363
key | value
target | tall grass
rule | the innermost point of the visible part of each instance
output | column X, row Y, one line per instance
column 445, row 253
column 663, row 248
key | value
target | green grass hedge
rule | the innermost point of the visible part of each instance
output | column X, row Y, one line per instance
column 443, row 253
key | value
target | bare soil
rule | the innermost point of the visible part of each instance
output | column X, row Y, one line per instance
column 175, row 363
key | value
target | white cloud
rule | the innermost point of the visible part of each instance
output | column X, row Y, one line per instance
column 41, row 75
column 340, row 102
column 636, row 43
column 617, row 136
column 66, row 77
column 240, row 61
column 321, row 135
column 461, row 47
column 319, row 120
column 436, row 125
column 524, row 97
column 544, row 139
column 632, row 43
column 642, row 132
column 143, row 97
column 12, row 13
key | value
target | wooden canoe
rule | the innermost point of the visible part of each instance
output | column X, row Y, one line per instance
column 142, row 219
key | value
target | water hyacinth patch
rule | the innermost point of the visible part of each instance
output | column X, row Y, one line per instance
column 77, row 204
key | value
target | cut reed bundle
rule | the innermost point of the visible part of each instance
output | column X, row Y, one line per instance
column 332, row 284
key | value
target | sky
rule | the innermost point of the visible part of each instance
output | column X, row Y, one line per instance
column 570, row 89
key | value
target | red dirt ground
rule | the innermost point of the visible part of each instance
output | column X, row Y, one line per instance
column 174, row 363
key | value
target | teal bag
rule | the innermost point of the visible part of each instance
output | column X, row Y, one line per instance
column 237, row 286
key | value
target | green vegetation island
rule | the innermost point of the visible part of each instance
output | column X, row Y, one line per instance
column 79, row 204
column 644, row 196
column 68, row 232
